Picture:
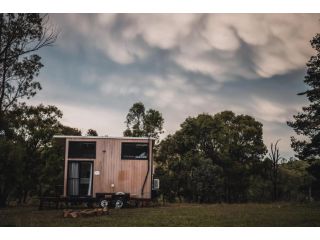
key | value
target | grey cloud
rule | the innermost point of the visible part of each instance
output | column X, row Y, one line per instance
column 276, row 41
column 179, row 64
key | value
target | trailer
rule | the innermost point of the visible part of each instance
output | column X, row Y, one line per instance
column 109, row 171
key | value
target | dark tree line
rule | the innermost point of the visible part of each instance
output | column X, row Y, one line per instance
column 222, row 158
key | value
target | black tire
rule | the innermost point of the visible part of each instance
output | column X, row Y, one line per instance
column 119, row 203
column 103, row 203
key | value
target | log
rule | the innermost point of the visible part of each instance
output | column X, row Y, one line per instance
column 74, row 214
column 67, row 213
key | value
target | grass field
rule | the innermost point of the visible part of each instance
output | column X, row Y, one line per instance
column 281, row 214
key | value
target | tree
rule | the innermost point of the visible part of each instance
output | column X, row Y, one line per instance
column 142, row 123
column 12, row 162
column 37, row 160
column 65, row 130
column 52, row 161
column 307, row 122
column 212, row 157
column 92, row 132
column 134, row 120
column 34, row 127
column 21, row 35
column 275, row 158
column 153, row 123
column 235, row 144
column 314, row 188
column 261, row 188
column 207, row 181
column 295, row 181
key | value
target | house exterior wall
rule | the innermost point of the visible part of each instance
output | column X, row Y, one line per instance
column 126, row 175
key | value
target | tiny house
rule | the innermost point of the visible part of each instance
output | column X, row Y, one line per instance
column 98, row 167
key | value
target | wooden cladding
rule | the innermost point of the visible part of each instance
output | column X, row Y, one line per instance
column 111, row 173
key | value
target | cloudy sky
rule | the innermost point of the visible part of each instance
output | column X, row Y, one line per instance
column 179, row 64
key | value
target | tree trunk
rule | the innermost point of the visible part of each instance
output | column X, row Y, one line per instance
column 2, row 86
column 226, row 190
column 25, row 195
column 310, row 194
column 274, row 191
column 3, row 200
column 3, row 81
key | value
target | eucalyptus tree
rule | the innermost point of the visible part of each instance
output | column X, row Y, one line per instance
column 21, row 36
column 143, row 123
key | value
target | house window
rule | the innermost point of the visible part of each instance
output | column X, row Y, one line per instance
column 134, row 151
column 86, row 150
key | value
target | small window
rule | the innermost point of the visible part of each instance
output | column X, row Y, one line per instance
column 135, row 151
column 82, row 150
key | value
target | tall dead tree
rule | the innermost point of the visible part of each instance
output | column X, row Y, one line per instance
column 275, row 158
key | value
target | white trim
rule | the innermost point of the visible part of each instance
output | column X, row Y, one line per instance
column 90, row 181
column 103, row 137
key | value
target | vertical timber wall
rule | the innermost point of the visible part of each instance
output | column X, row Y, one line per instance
column 110, row 170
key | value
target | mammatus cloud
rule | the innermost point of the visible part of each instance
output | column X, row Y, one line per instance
column 209, row 43
column 180, row 64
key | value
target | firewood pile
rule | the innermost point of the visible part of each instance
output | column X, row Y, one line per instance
column 67, row 213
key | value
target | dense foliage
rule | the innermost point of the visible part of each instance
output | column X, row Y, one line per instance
column 210, row 158
column 307, row 123
column 31, row 163
column 221, row 158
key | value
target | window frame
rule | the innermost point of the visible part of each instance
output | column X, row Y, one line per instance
column 79, row 170
column 82, row 157
column 131, row 143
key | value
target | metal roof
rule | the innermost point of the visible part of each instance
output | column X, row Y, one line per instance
column 103, row 137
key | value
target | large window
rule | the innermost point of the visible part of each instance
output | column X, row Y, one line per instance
column 135, row 151
column 82, row 150
column 79, row 178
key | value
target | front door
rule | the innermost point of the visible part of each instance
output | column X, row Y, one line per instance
column 80, row 178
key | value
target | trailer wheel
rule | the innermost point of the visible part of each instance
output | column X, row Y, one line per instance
column 119, row 203
column 104, row 203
